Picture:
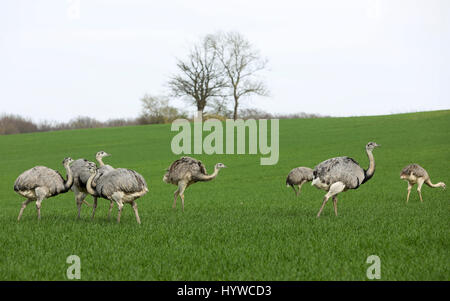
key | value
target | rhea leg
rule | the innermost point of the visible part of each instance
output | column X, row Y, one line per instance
column 300, row 187
column 40, row 194
column 111, row 205
column 295, row 191
column 24, row 204
column 335, row 204
column 118, row 199
column 94, row 206
column 182, row 201
column 409, row 191
column 181, row 188
column 325, row 200
column 175, row 196
column 120, row 205
column 38, row 208
column 335, row 188
column 80, row 198
column 420, row 182
column 134, row 205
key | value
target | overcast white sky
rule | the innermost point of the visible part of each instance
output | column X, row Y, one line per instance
column 340, row 58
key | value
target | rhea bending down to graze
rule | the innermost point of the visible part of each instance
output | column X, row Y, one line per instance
column 342, row 173
column 40, row 182
column 299, row 176
column 416, row 174
column 118, row 185
column 185, row 172
column 80, row 170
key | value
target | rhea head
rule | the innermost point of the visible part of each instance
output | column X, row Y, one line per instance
column 371, row 146
column 102, row 154
column 67, row 161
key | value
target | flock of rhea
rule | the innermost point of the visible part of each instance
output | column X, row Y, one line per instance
column 121, row 185
column 342, row 173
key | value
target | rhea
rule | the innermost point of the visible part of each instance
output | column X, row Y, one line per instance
column 185, row 172
column 40, row 182
column 342, row 173
column 416, row 174
column 80, row 170
column 299, row 176
column 119, row 185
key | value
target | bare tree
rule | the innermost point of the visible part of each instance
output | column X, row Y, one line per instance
column 156, row 109
column 200, row 77
column 241, row 64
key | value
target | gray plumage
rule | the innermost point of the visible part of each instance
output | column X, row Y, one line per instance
column 416, row 174
column 41, row 182
column 81, row 174
column 340, row 169
column 185, row 168
column 100, row 172
column 40, row 176
column 121, row 179
column 187, row 171
column 118, row 185
column 298, row 176
column 415, row 169
column 342, row 173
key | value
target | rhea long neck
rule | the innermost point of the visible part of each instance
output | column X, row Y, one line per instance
column 371, row 170
column 69, row 181
column 440, row 184
column 211, row 176
column 89, row 187
column 100, row 161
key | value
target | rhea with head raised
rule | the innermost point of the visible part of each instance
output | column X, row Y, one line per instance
column 339, row 174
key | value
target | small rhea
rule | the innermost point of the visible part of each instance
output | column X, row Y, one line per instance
column 40, row 182
column 416, row 174
column 342, row 173
column 299, row 176
column 185, row 172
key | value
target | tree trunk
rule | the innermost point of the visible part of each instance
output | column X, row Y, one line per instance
column 236, row 103
column 200, row 106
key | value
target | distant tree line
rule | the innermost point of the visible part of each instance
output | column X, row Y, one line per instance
column 15, row 124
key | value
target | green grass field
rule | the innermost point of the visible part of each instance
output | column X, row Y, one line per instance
column 246, row 224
